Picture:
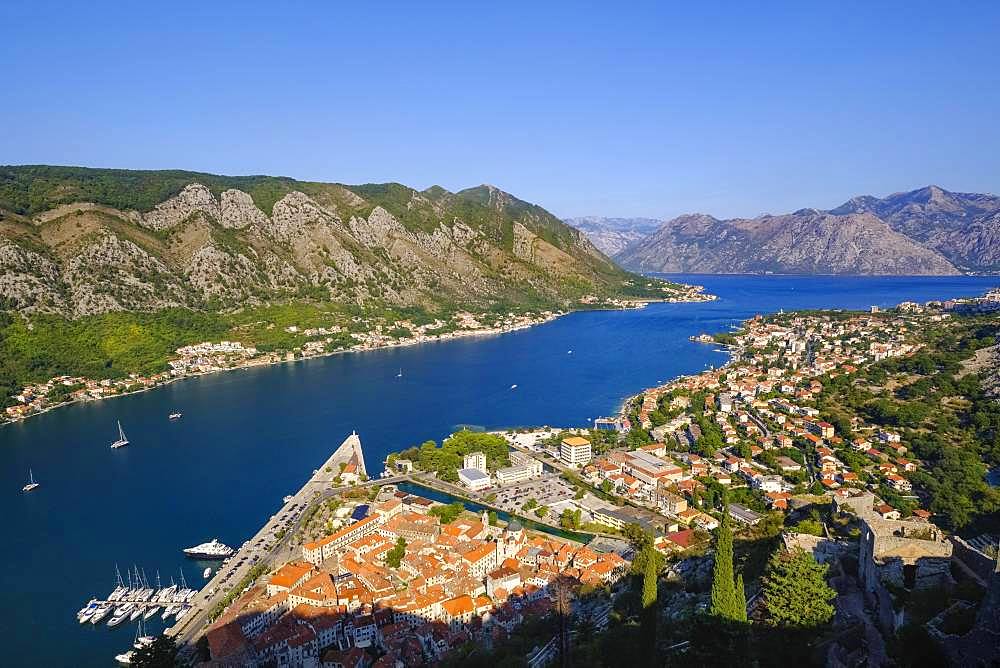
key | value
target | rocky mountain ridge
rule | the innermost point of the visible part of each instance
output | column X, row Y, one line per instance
column 612, row 235
column 217, row 247
column 927, row 231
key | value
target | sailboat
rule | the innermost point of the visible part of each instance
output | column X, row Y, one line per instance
column 141, row 639
column 122, row 441
column 400, row 374
column 31, row 482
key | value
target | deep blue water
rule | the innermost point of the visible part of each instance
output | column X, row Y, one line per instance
column 250, row 437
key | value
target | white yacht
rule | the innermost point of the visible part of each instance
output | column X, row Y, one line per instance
column 150, row 611
column 206, row 573
column 122, row 441
column 87, row 611
column 169, row 610
column 31, row 482
column 121, row 614
column 101, row 612
column 210, row 550
column 125, row 658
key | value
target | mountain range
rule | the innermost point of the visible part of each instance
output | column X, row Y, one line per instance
column 80, row 241
column 926, row 231
column 612, row 235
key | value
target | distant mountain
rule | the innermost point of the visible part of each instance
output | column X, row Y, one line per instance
column 611, row 235
column 78, row 241
column 925, row 231
column 963, row 227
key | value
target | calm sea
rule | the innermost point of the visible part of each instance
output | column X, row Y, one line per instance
column 250, row 437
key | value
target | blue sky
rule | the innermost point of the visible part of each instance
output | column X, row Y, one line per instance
column 620, row 109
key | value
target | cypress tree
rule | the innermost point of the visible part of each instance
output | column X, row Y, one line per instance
column 741, row 600
column 648, row 615
column 649, row 582
column 724, row 600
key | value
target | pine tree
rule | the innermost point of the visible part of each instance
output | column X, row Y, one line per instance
column 795, row 591
column 724, row 602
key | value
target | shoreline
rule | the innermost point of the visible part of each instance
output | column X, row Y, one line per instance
column 363, row 348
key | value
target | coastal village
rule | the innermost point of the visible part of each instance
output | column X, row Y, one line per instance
column 404, row 584
column 211, row 357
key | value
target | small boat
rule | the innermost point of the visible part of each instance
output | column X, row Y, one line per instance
column 137, row 613
column 150, row 611
column 125, row 658
column 569, row 352
column 141, row 640
column 206, row 573
column 287, row 498
column 101, row 612
column 88, row 611
column 122, row 441
column 175, row 416
column 183, row 611
column 121, row 614
column 31, row 482
column 514, row 386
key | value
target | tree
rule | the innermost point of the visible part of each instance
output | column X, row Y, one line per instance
column 795, row 592
column 741, row 599
column 395, row 556
column 448, row 513
column 542, row 511
column 724, row 600
column 161, row 653
column 649, row 610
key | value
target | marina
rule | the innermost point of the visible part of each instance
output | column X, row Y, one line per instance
column 133, row 599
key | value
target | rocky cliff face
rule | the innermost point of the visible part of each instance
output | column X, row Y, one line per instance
column 926, row 231
column 202, row 248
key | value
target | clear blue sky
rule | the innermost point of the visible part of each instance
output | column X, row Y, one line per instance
column 608, row 109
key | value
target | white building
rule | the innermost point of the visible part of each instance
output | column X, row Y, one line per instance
column 575, row 451
column 475, row 460
column 530, row 468
column 474, row 479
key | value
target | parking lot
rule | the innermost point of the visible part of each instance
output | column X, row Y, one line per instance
column 547, row 489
